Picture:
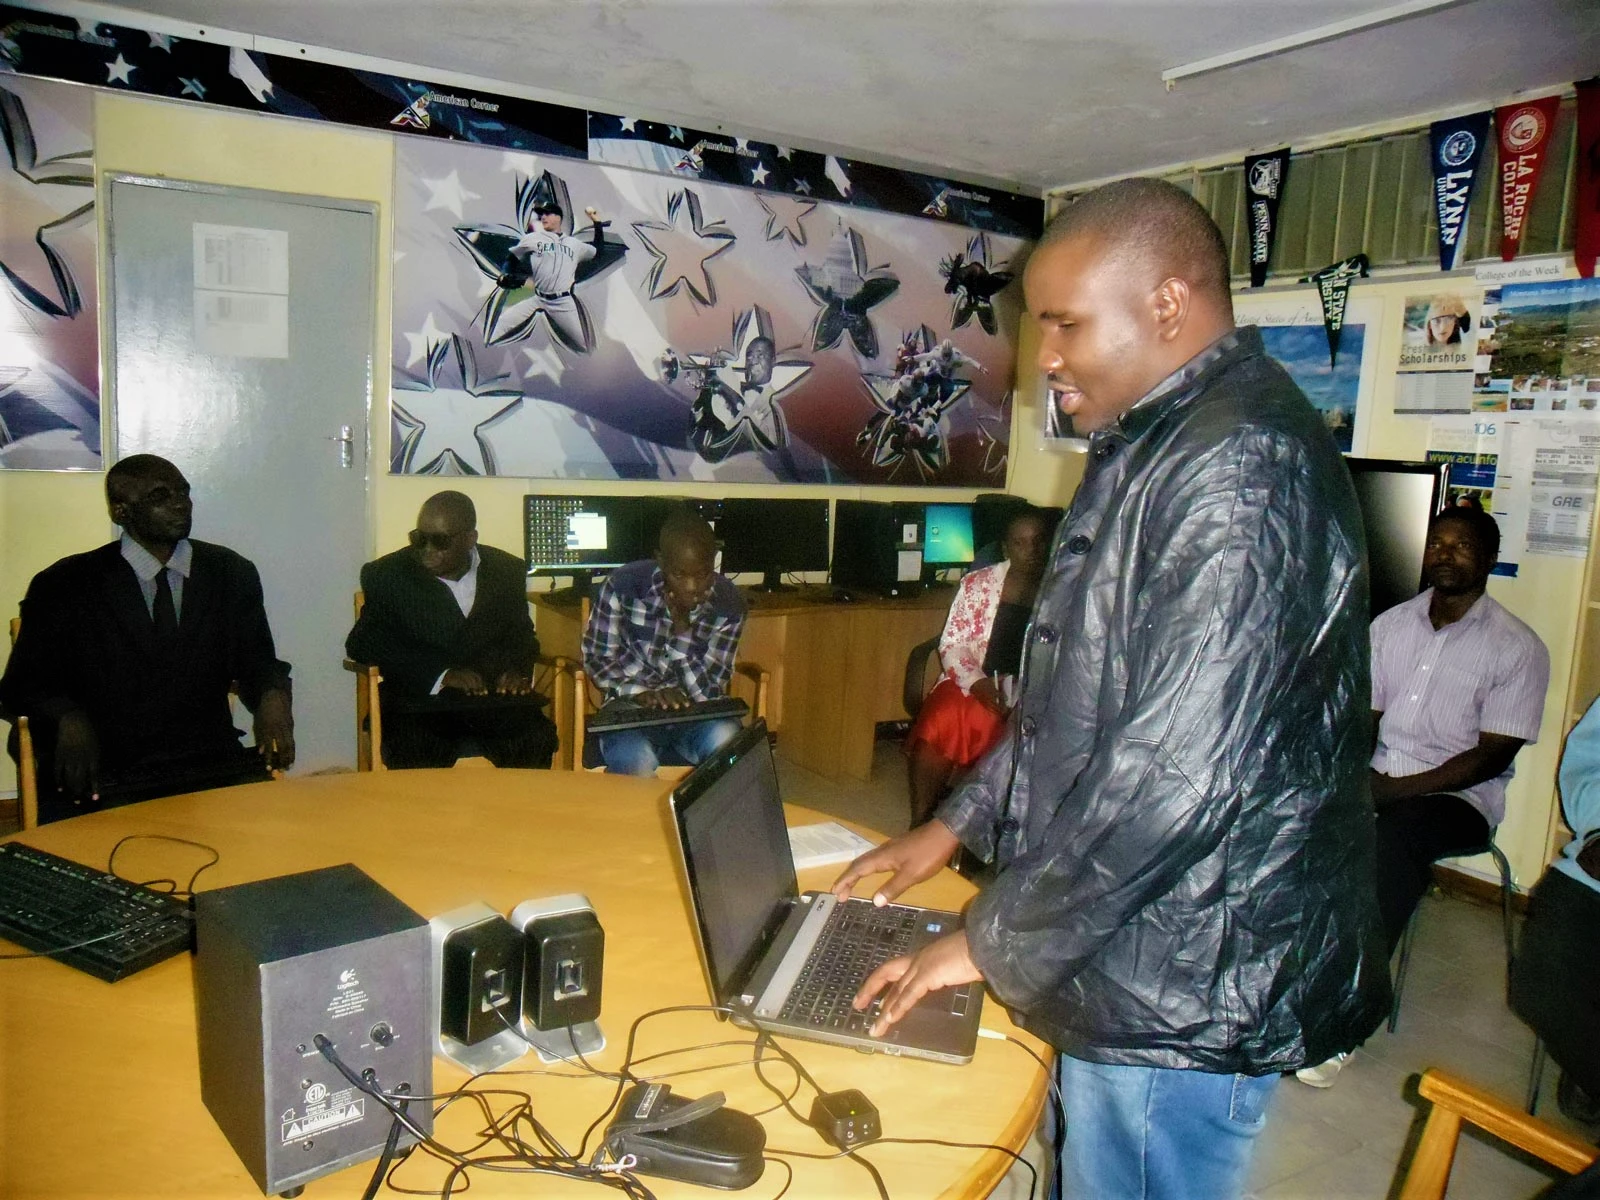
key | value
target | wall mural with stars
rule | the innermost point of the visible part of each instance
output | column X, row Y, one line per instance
column 49, row 337
column 561, row 319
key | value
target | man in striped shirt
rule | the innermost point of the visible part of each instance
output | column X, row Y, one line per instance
column 663, row 634
column 1458, row 686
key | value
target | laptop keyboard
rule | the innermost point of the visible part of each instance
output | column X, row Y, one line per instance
column 858, row 938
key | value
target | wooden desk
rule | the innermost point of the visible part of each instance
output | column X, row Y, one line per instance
column 837, row 668
column 99, row 1083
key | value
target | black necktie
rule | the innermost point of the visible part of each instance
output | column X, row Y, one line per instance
column 165, row 613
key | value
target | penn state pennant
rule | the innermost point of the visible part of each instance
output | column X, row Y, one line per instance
column 1263, row 179
column 1457, row 149
column 1586, row 235
column 1524, row 134
column 1333, row 288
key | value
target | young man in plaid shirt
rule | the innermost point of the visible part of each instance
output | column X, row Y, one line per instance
column 663, row 634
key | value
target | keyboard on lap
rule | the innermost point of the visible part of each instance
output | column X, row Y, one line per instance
column 86, row 918
column 619, row 715
column 858, row 938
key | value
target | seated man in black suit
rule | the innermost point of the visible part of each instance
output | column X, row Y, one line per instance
column 126, row 655
column 446, row 621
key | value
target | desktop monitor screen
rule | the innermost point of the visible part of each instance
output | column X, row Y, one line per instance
column 947, row 535
column 574, row 535
column 773, row 536
column 1397, row 500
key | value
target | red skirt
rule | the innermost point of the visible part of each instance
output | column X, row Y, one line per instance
column 955, row 725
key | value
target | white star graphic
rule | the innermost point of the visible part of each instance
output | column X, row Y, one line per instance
column 759, row 175
column 783, row 217
column 446, row 430
column 628, row 123
column 192, row 87
column 742, row 144
column 521, row 163
column 119, row 70
column 803, row 186
column 418, row 344
column 544, row 362
column 785, row 152
column 448, row 193
column 676, row 132
column 88, row 24
column 680, row 248
column 161, row 41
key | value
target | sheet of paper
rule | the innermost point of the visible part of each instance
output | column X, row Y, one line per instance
column 241, row 324
column 823, row 843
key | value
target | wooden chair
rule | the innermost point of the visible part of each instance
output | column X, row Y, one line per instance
column 1455, row 1100
column 27, row 764
column 586, row 699
column 553, row 683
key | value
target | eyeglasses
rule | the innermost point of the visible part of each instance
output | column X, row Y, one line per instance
column 433, row 541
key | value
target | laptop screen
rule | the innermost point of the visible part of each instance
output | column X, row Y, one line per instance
column 736, row 854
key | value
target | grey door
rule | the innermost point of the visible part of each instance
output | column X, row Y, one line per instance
column 242, row 334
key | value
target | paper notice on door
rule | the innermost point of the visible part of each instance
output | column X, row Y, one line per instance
column 235, row 258
column 241, row 291
column 241, row 324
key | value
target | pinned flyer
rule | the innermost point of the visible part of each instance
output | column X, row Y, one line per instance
column 1333, row 288
column 1457, row 146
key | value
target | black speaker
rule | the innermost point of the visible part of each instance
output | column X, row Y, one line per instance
column 280, row 961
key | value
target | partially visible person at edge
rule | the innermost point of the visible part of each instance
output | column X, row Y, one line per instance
column 1184, row 902
column 980, row 650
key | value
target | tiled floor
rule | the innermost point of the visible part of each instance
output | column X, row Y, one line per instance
column 1351, row 1140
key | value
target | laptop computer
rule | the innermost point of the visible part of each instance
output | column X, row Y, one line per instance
column 789, row 963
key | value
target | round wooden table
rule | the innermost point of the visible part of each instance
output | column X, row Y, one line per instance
column 99, row 1083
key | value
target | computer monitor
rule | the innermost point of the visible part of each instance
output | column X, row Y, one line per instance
column 580, row 535
column 947, row 535
column 772, row 536
column 1397, row 500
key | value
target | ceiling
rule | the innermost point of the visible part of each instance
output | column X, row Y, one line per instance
column 1028, row 93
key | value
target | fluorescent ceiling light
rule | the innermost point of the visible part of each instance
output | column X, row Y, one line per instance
column 1311, row 37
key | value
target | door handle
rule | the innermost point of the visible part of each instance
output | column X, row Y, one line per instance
column 347, row 446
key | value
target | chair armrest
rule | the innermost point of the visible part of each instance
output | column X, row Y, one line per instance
column 1507, row 1122
column 361, row 668
column 762, row 679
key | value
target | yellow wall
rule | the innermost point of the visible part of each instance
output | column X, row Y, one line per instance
column 44, row 516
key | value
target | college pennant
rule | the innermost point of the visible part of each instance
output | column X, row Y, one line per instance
column 1263, row 177
column 1586, row 237
column 1524, row 134
column 1457, row 149
column 1333, row 286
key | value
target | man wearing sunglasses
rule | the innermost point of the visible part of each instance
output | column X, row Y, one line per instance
column 446, row 621
column 126, row 655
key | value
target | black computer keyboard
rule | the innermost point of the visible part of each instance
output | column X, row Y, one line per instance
column 618, row 715
column 858, row 938
column 87, row 918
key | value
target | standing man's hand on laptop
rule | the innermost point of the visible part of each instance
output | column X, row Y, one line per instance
column 513, row 683
column 945, row 963
column 912, row 857
column 464, row 679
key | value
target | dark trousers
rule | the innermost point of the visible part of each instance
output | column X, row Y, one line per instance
column 1555, row 981
column 1412, row 835
column 122, row 782
column 517, row 735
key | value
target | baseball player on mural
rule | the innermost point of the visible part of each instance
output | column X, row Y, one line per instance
column 552, row 259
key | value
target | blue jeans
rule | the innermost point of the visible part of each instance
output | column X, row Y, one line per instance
column 641, row 751
column 1148, row 1133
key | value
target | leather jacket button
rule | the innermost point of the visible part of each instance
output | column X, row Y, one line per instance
column 1047, row 634
column 1010, row 825
column 1028, row 726
column 1079, row 544
column 1105, row 450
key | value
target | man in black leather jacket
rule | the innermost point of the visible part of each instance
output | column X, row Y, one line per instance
column 1179, row 814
